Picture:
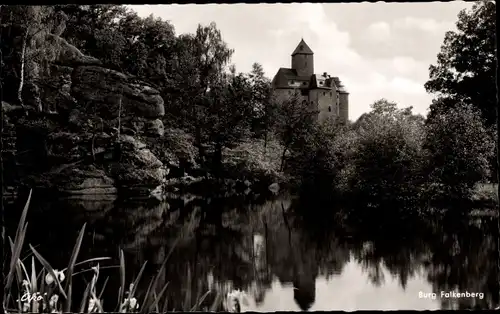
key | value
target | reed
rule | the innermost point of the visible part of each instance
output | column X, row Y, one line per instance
column 47, row 290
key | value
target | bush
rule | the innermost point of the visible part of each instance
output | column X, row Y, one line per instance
column 386, row 153
column 460, row 149
column 250, row 160
column 314, row 160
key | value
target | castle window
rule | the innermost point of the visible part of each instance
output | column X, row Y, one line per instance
column 324, row 93
column 320, row 83
column 329, row 108
column 301, row 47
column 331, row 93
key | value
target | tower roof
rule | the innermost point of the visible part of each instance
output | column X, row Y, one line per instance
column 302, row 48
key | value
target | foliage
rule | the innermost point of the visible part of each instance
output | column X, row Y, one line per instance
column 22, row 37
column 314, row 161
column 295, row 122
column 264, row 110
column 459, row 149
column 466, row 66
column 251, row 160
column 387, row 154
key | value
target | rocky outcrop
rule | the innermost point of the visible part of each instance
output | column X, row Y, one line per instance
column 138, row 171
column 111, row 93
column 86, row 181
column 91, row 129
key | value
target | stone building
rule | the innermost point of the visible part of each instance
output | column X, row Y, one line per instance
column 324, row 93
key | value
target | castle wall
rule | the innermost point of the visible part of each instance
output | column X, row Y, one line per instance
column 344, row 107
column 284, row 94
column 325, row 101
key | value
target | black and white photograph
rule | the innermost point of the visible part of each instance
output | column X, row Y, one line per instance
column 249, row 157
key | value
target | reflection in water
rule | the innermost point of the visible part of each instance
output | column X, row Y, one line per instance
column 268, row 253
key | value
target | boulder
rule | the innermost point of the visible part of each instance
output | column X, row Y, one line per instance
column 154, row 128
column 274, row 188
column 138, row 168
column 56, row 93
column 85, row 181
column 111, row 93
column 8, row 108
column 63, row 53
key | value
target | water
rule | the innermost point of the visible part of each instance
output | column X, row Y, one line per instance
column 281, row 261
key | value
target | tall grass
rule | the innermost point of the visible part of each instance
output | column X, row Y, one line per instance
column 48, row 290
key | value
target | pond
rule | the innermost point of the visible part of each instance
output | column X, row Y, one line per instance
column 281, row 261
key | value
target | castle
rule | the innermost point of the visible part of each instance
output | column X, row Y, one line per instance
column 324, row 93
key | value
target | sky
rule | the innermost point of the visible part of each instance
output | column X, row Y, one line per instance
column 378, row 50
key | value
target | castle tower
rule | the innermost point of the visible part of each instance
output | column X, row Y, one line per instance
column 303, row 60
column 343, row 105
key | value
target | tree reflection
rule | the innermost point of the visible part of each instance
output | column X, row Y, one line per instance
column 232, row 245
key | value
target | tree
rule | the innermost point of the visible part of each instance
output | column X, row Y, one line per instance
column 87, row 25
column 122, row 40
column 264, row 109
column 466, row 66
column 25, row 50
column 387, row 153
column 459, row 147
column 228, row 114
column 295, row 121
column 205, row 57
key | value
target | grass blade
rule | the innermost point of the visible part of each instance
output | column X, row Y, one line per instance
column 33, row 276
column 21, row 264
column 71, row 266
column 146, row 296
column 103, row 287
column 50, row 269
column 27, row 254
column 16, row 248
column 187, row 299
column 162, row 268
column 165, row 305
column 137, row 280
column 199, row 302
column 218, row 299
column 42, row 283
column 90, row 260
column 84, row 299
column 157, row 299
column 118, row 302
column 152, row 306
column 18, row 243
column 19, row 275
column 122, row 278
column 11, row 246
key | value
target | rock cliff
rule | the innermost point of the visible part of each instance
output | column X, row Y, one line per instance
column 90, row 129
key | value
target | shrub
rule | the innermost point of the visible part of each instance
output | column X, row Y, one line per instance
column 459, row 149
column 387, row 153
